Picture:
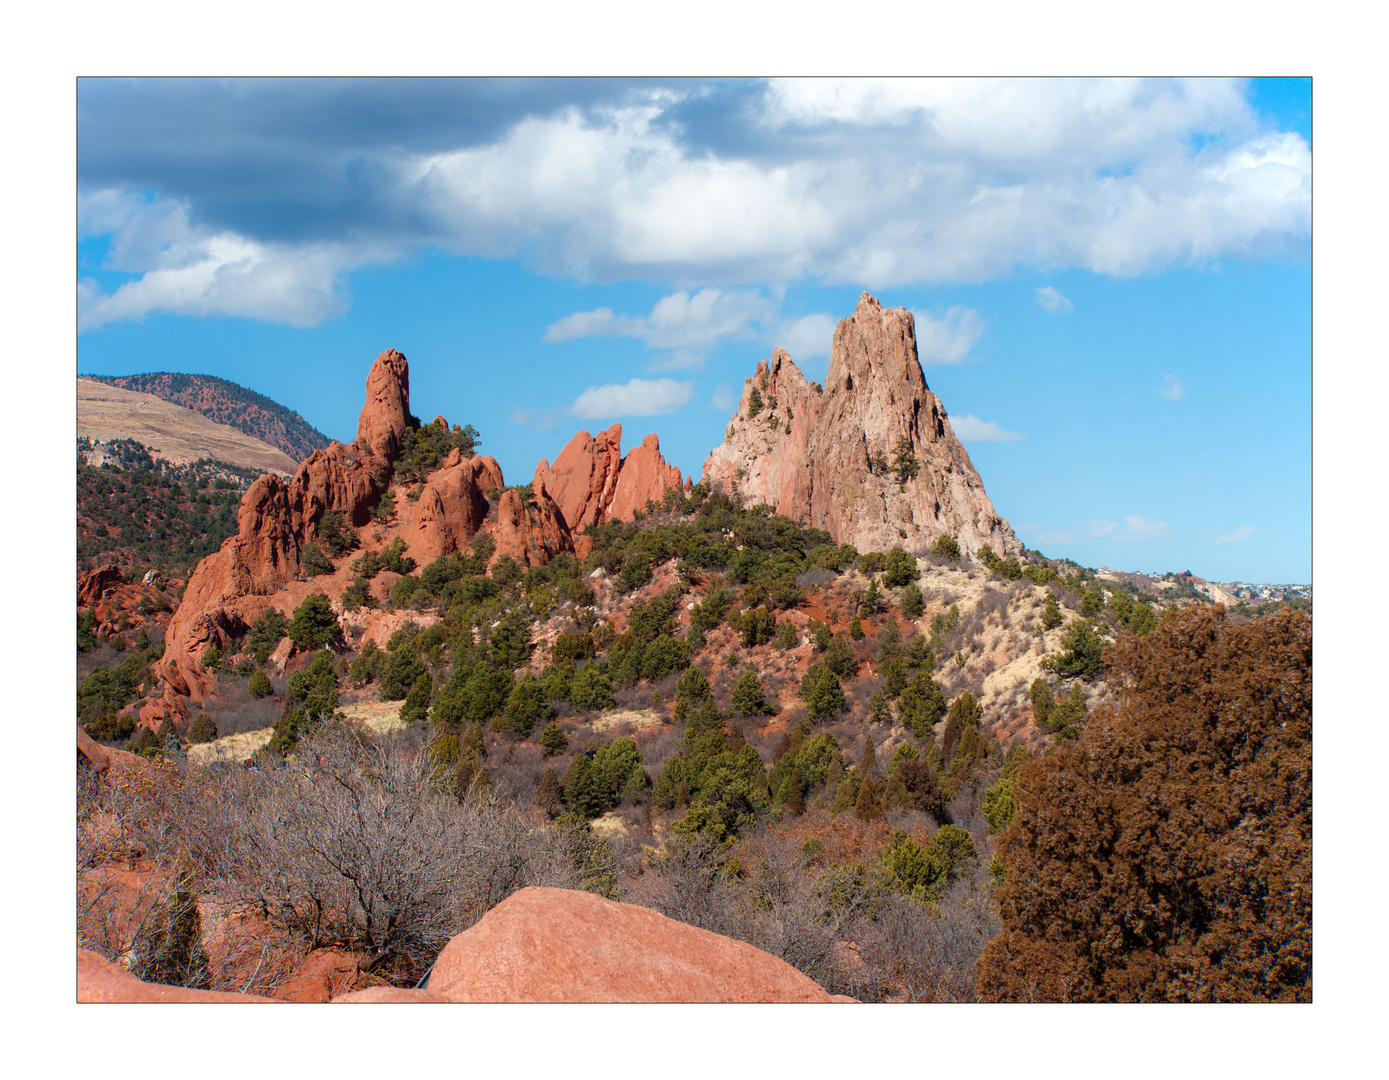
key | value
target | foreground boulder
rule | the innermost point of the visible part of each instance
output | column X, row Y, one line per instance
column 829, row 457
column 561, row 945
column 99, row 980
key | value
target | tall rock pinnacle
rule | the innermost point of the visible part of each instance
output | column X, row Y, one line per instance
column 839, row 458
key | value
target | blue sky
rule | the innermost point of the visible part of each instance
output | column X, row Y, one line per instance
column 1111, row 278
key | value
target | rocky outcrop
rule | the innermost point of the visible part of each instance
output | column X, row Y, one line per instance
column 583, row 477
column 452, row 507
column 96, row 585
column 99, row 980
column 385, row 416
column 827, row 457
column 530, row 531
column 277, row 518
column 644, row 477
column 591, row 482
column 538, row 945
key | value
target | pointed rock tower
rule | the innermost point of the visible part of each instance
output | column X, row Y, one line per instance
column 840, row 458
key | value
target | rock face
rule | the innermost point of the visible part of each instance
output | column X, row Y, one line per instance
column 591, row 482
column 452, row 507
column 531, row 532
column 817, row 465
column 386, row 414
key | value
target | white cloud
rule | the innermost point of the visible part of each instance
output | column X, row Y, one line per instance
column 1172, row 389
column 638, row 397
column 687, row 324
column 874, row 183
column 806, row 338
column 947, row 340
column 1053, row 303
column 1098, row 528
column 1042, row 535
column 190, row 271
column 1140, row 528
column 723, row 398
column 972, row 429
column 1244, row 532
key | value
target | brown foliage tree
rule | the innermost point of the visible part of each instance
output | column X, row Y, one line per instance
column 1166, row 854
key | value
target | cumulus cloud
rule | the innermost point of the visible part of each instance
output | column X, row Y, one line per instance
column 1172, row 389
column 1099, row 529
column 808, row 337
column 948, row 339
column 875, row 183
column 723, row 398
column 687, row 324
column 186, row 270
column 1244, row 532
column 972, row 429
column 1053, row 302
column 638, row 397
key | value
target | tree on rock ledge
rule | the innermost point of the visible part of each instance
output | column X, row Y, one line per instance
column 1166, row 855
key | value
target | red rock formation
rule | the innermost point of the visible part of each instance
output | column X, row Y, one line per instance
column 592, row 482
column 452, row 507
column 818, row 471
column 274, row 523
column 560, row 945
column 386, row 414
column 93, row 587
column 531, row 532
column 644, row 477
column 583, row 477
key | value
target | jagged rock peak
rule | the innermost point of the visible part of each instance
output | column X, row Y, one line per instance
column 386, row 413
column 828, row 457
column 591, row 482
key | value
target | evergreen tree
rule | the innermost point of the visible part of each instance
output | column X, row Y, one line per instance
column 748, row 696
column 416, row 707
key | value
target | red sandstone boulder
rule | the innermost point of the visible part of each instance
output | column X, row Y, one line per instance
column 324, row 975
column 99, row 980
column 561, row 945
column 385, row 416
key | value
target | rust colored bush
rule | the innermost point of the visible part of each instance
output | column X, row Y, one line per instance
column 1167, row 854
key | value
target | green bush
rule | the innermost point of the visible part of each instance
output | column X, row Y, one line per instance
column 1051, row 614
column 313, row 562
column 203, row 729
column 913, row 604
column 592, row 690
column 416, row 707
column 553, row 739
column 266, row 633
column 900, row 567
column 259, row 686
column 946, row 546
column 1082, row 653
column 314, row 625
column 749, row 699
column 822, row 694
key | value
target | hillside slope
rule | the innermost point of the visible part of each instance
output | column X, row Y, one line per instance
column 106, row 413
column 225, row 402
